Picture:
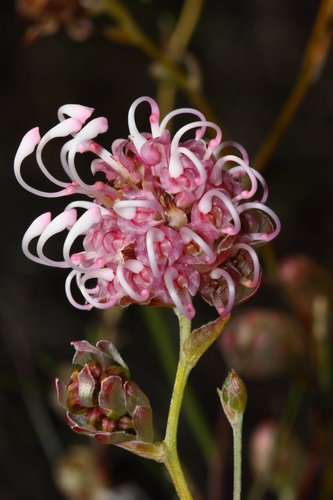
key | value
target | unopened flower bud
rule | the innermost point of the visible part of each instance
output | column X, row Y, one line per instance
column 233, row 396
column 94, row 417
column 125, row 423
column 73, row 401
column 95, row 368
column 101, row 400
column 75, row 372
column 121, row 371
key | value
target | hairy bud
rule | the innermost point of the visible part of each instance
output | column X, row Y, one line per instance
column 233, row 397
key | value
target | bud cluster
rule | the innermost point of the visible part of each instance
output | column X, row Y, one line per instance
column 100, row 398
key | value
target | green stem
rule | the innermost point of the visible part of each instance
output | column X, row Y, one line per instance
column 176, row 401
column 192, row 346
column 314, row 58
column 132, row 33
column 170, row 442
column 193, row 413
column 237, row 432
column 185, row 26
column 177, row 43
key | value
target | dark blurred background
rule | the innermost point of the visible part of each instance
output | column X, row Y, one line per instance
column 249, row 53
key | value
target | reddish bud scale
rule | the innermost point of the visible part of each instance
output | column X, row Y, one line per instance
column 95, row 368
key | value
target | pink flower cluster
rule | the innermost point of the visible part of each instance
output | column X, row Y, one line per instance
column 170, row 218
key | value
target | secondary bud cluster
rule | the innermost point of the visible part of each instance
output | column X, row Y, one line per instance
column 100, row 398
column 171, row 218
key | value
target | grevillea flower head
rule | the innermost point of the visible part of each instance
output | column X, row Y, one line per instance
column 169, row 220
column 101, row 400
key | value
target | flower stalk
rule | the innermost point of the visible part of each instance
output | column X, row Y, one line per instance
column 314, row 59
column 128, row 31
column 233, row 399
column 237, row 435
column 175, row 47
column 193, row 413
column 192, row 346
column 172, row 462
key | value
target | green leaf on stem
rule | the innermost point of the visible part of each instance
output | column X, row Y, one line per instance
column 201, row 339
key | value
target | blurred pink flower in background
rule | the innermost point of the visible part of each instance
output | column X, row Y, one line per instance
column 304, row 280
column 261, row 343
column 275, row 466
column 81, row 474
